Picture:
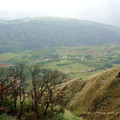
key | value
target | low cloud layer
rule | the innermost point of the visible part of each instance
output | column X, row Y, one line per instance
column 104, row 11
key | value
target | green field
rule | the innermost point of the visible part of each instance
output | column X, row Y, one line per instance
column 81, row 61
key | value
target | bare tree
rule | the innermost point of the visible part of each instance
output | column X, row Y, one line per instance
column 52, row 79
column 22, row 86
column 4, row 85
column 44, row 82
column 7, row 83
column 14, row 76
column 17, row 74
column 35, row 71
column 41, row 94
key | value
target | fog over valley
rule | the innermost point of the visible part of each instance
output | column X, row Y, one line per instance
column 103, row 11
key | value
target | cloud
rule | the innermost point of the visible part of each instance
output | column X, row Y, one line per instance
column 105, row 11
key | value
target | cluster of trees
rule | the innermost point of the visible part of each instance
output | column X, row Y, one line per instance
column 28, row 92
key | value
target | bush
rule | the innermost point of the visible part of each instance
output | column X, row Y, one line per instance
column 58, row 117
column 6, row 117
column 29, row 116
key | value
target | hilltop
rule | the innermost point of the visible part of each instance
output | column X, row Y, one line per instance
column 50, row 32
column 97, row 98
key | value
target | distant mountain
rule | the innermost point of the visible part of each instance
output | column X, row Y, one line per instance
column 51, row 32
column 96, row 99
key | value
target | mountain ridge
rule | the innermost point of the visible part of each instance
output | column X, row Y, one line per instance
column 51, row 32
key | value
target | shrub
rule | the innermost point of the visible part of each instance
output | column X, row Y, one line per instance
column 29, row 116
column 6, row 117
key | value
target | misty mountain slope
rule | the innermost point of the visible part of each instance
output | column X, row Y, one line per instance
column 98, row 99
column 50, row 32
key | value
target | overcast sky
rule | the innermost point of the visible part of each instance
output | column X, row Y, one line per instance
column 104, row 11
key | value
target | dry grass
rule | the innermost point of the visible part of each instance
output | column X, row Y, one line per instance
column 98, row 97
column 68, row 90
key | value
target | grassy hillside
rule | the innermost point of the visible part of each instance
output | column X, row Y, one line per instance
column 51, row 32
column 98, row 99
column 68, row 90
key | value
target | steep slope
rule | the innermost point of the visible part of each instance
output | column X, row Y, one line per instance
column 68, row 90
column 50, row 32
column 99, row 98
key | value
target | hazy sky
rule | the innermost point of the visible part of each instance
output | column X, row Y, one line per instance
column 105, row 11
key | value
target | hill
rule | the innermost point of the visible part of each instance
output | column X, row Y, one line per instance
column 97, row 99
column 51, row 32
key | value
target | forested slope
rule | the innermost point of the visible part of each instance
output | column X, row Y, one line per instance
column 51, row 32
